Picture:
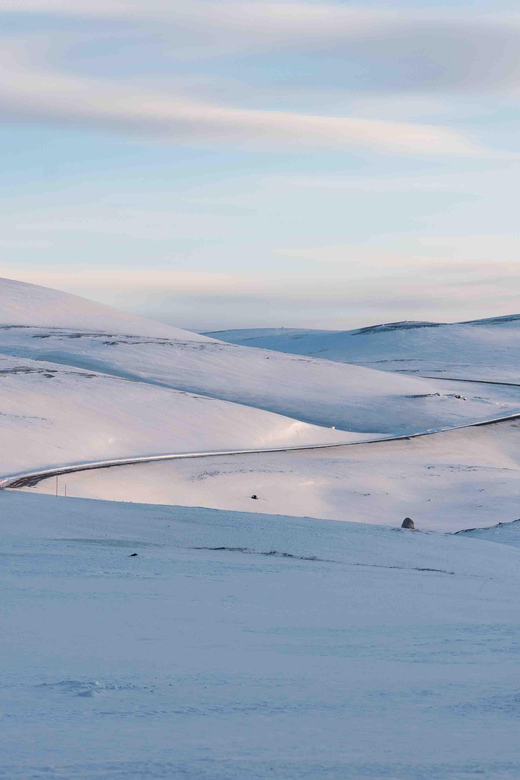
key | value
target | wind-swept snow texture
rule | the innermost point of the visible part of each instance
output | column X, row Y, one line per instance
column 446, row 482
column 246, row 646
column 483, row 349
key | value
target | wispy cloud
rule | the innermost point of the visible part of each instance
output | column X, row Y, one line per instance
column 155, row 281
column 33, row 92
column 402, row 49
column 136, row 87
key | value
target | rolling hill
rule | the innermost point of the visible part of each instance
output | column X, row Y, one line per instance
column 486, row 349
column 319, row 392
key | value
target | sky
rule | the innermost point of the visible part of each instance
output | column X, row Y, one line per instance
column 244, row 163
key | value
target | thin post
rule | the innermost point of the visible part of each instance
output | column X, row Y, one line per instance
column 56, row 485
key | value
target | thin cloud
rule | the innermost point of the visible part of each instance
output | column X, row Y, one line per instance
column 129, row 280
column 33, row 93
column 478, row 251
column 404, row 50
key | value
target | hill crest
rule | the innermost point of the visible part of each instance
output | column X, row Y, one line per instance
column 30, row 305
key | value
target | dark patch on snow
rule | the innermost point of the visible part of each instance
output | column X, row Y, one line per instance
column 49, row 373
column 315, row 559
column 487, row 528
column 492, row 320
column 26, row 370
column 390, row 326
column 423, row 395
column 271, row 553
column 83, row 688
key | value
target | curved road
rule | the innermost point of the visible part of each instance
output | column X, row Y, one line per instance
column 29, row 479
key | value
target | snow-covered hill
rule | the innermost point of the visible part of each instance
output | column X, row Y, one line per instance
column 25, row 304
column 320, row 392
column 52, row 415
column 113, row 394
column 76, row 394
column 446, row 482
column 483, row 349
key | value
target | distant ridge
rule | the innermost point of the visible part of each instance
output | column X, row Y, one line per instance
column 486, row 349
column 493, row 320
column 389, row 326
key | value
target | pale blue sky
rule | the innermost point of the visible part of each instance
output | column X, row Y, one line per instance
column 240, row 164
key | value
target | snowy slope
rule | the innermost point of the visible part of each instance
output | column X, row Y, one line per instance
column 502, row 533
column 256, row 336
column 484, row 349
column 371, row 653
column 445, row 482
column 507, row 321
column 53, row 415
column 320, row 392
column 25, row 304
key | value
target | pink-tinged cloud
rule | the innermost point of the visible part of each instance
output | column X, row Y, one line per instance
column 32, row 93
column 402, row 49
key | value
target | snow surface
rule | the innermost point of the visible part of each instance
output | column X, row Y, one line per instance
column 373, row 652
column 319, row 392
column 142, row 640
column 445, row 482
column 25, row 304
column 51, row 415
column 484, row 349
column 503, row 533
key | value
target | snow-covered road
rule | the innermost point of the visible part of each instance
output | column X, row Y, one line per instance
column 28, row 479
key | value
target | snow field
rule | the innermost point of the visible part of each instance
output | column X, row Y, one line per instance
column 207, row 663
